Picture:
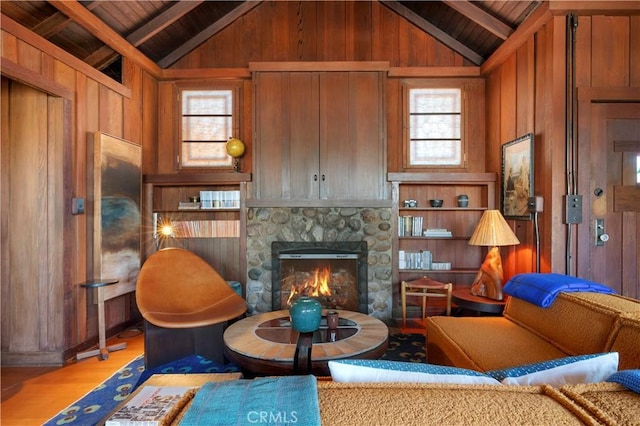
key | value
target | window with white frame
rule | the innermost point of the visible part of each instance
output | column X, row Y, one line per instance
column 435, row 120
column 208, row 121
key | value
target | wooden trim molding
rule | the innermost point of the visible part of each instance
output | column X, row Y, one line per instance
column 31, row 78
column 319, row 66
column 609, row 94
column 204, row 73
column 196, row 178
column 441, row 177
column 602, row 7
column 429, row 72
column 12, row 27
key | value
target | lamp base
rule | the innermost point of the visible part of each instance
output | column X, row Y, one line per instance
column 488, row 281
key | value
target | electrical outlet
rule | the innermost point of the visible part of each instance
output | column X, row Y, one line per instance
column 535, row 204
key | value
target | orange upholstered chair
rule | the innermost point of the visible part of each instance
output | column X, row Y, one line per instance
column 185, row 304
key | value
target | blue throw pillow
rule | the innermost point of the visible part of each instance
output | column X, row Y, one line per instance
column 630, row 379
column 564, row 371
column 380, row 371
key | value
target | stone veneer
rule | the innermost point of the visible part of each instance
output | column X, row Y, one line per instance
column 265, row 225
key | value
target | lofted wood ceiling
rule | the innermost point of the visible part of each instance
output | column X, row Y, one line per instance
column 165, row 31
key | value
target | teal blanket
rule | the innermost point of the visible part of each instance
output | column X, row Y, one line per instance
column 291, row 400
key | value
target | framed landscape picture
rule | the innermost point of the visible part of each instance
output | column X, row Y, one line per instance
column 517, row 177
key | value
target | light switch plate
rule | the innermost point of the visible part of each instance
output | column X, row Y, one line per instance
column 573, row 208
column 77, row 205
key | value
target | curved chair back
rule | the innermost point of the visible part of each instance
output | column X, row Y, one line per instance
column 178, row 289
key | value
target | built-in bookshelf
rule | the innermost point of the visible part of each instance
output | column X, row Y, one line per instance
column 434, row 241
column 205, row 213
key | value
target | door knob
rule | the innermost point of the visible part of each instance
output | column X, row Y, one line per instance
column 601, row 236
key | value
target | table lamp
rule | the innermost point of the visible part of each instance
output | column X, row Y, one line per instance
column 492, row 231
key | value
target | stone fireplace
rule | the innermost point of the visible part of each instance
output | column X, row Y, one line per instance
column 334, row 273
column 326, row 226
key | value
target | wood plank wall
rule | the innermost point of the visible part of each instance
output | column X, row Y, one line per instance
column 97, row 103
column 321, row 32
column 533, row 79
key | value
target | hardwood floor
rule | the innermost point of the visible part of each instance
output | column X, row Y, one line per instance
column 32, row 395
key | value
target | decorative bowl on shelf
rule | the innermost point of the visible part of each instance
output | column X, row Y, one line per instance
column 436, row 203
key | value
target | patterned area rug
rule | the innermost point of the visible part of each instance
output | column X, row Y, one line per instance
column 406, row 347
column 94, row 406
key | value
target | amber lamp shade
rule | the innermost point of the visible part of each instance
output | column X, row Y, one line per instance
column 492, row 231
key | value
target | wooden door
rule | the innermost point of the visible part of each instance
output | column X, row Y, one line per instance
column 35, row 220
column 352, row 132
column 608, row 176
column 287, row 157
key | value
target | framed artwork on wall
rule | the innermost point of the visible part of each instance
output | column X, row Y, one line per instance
column 114, row 178
column 517, row 177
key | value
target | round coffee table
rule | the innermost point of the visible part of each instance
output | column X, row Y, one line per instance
column 266, row 343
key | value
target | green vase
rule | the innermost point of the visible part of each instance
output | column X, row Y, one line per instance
column 305, row 314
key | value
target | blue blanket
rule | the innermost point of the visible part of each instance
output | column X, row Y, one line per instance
column 542, row 289
column 269, row 400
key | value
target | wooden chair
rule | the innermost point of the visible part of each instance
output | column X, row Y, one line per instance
column 185, row 304
column 424, row 287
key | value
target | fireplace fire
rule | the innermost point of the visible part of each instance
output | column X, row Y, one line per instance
column 315, row 285
column 335, row 274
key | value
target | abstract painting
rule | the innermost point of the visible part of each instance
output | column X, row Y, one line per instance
column 116, row 176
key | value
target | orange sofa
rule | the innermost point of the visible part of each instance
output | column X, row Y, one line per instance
column 575, row 324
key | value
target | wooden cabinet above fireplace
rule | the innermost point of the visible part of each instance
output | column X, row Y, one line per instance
column 319, row 136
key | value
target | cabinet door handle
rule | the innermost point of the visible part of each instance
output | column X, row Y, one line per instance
column 315, row 178
column 323, row 178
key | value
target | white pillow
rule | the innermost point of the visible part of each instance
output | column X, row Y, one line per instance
column 563, row 371
column 380, row 371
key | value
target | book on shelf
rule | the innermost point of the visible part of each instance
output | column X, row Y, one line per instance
column 152, row 405
column 184, row 205
column 414, row 260
column 206, row 228
column 437, row 233
column 410, row 226
column 219, row 199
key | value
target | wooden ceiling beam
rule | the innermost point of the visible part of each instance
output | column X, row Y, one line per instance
column 58, row 21
column 434, row 31
column 480, row 17
column 51, row 25
column 104, row 56
column 162, row 21
column 83, row 17
column 207, row 33
column 528, row 27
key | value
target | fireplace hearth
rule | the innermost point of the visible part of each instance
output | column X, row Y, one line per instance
column 333, row 273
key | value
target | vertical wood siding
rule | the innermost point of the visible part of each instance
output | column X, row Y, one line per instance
column 66, row 317
column 533, row 79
